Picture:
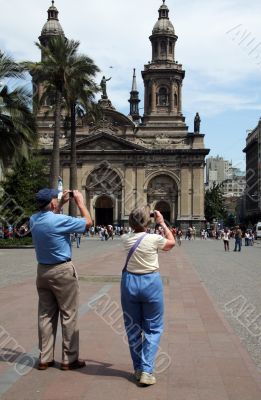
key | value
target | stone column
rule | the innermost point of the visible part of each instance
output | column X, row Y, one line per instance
column 198, row 192
column 185, row 193
column 146, row 97
column 180, row 97
column 129, row 199
column 92, row 209
column 179, row 205
column 153, row 97
column 167, row 50
column 140, row 195
column 172, row 94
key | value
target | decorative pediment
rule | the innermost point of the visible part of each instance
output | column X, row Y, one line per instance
column 104, row 141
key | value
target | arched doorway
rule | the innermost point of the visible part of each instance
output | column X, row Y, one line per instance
column 104, row 211
column 165, row 210
column 162, row 192
column 104, row 194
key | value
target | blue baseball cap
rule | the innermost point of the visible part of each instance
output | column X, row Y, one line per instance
column 45, row 196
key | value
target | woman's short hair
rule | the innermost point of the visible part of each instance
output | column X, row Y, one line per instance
column 139, row 218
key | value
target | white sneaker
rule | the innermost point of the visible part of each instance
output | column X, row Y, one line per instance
column 147, row 378
column 137, row 374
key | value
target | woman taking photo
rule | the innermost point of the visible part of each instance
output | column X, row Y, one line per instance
column 142, row 291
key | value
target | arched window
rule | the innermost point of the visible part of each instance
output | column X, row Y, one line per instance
column 163, row 48
column 175, row 99
column 170, row 48
column 162, row 97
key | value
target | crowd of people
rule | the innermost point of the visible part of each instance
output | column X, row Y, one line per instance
column 106, row 232
column 13, row 232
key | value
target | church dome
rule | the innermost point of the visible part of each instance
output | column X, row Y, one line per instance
column 163, row 24
column 52, row 27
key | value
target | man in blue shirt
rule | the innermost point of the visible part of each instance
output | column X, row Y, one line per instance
column 57, row 282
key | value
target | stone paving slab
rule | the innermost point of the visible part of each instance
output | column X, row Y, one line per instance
column 208, row 361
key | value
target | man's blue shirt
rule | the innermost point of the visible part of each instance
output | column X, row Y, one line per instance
column 51, row 235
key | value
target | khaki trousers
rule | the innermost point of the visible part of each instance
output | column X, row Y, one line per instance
column 58, row 291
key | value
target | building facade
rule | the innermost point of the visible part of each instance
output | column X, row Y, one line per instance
column 253, row 175
column 128, row 161
column 217, row 170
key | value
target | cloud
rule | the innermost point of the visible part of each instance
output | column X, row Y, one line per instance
column 222, row 75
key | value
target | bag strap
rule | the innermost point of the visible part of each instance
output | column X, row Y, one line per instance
column 133, row 248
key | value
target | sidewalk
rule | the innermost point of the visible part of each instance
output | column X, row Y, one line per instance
column 208, row 361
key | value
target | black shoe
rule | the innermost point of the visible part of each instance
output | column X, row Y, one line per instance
column 43, row 366
column 74, row 365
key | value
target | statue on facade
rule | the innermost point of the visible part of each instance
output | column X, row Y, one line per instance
column 197, row 121
column 103, row 87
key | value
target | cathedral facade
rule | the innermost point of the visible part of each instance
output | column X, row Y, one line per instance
column 128, row 161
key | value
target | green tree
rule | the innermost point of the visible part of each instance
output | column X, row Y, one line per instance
column 79, row 95
column 17, row 123
column 230, row 220
column 214, row 203
column 18, row 190
column 66, row 76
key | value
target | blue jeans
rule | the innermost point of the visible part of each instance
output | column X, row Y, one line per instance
column 238, row 244
column 143, row 312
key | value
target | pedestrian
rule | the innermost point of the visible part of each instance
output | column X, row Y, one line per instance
column 142, row 291
column 101, row 233
column 57, row 282
column 238, row 239
column 251, row 238
column 247, row 236
column 179, row 236
column 78, row 240
column 226, row 237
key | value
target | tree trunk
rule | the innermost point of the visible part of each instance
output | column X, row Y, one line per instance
column 73, row 161
column 55, row 159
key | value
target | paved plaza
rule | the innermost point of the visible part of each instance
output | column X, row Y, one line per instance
column 210, row 349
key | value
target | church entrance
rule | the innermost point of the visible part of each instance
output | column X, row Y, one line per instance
column 104, row 194
column 104, row 211
column 162, row 195
column 164, row 208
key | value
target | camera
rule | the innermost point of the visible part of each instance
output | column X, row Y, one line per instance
column 71, row 194
column 152, row 214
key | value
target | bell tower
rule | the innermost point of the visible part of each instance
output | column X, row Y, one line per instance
column 163, row 77
column 52, row 27
column 45, row 113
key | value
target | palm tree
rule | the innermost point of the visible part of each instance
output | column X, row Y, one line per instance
column 51, row 73
column 80, row 92
column 17, row 123
column 59, row 71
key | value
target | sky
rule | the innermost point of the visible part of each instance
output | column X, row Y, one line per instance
column 219, row 46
